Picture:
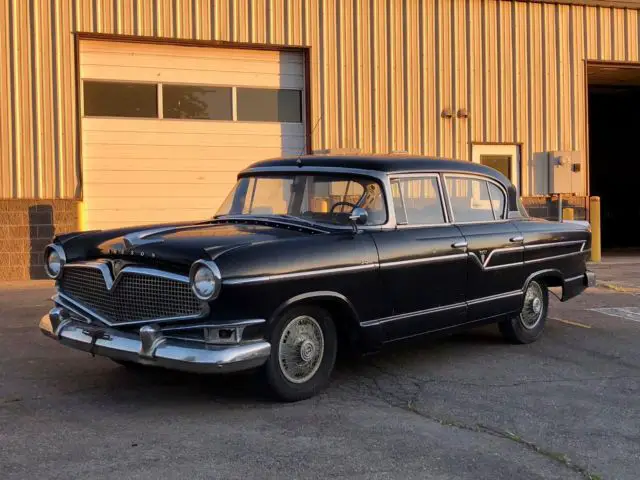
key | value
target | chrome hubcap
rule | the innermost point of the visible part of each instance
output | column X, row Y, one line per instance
column 532, row 309
column 301, row 349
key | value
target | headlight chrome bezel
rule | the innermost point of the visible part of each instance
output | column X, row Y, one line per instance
column 213, row 268
column 54, row 247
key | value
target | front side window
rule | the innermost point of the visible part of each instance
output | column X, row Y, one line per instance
column 314, row 197
column 474, row 200
column 417, row 201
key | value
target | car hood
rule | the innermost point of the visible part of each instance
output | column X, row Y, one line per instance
column 179, row 244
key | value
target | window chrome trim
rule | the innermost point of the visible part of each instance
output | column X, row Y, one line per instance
column 382, row 177
column 473, row 176
column 305, row 274
column 418, row 175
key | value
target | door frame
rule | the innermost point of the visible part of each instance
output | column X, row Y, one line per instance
column 514, row 150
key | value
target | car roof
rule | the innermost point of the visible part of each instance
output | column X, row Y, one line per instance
column 383, row 163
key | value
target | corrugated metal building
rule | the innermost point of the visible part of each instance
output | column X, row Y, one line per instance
column 144, row 110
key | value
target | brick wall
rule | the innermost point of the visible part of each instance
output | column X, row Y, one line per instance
column 26, row 227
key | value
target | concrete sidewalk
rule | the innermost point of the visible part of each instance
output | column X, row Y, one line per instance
column 620, row 272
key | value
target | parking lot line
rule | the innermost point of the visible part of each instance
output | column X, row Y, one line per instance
column 570, row 322
column 628, row 313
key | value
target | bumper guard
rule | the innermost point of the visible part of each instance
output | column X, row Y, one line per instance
column 150, row 347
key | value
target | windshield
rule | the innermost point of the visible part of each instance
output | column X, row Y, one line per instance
column 314, row 197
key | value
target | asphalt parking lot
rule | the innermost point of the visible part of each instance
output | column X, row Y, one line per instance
column 468, row 407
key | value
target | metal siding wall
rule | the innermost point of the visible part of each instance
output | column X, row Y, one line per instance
column 382, row 71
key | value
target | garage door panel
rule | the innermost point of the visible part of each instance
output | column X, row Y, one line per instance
column 129, row 48
column 226, row 156
column 102, row 219
column 157, row 152
column 132, row 176
column 191, row 127
column 142, row 139
column 210, row 204
column 141, row 74
column 165, row 190
column 207, row 164
column 213, row 65
column 139, row 171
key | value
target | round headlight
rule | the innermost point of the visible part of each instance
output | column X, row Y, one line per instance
column 205, row 279
column 54, row 259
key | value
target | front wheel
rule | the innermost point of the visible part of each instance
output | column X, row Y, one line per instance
column 303, row 352
column 528, row 325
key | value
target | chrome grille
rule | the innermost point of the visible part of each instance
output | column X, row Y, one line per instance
column 135, row 297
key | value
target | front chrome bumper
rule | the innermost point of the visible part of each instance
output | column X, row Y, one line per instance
column 150, row 347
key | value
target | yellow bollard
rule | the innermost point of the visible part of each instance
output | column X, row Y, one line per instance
column 82, row 216
column 594, row 219
column 568, row 213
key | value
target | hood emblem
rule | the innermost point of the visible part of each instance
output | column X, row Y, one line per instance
column 116, row 267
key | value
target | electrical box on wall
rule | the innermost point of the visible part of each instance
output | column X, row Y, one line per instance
column 567, row 173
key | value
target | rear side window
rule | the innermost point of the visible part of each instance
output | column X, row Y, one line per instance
column 474, row 200
column 417, row 201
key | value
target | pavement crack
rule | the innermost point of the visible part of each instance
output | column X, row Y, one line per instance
column 401, row 391
column 505, row 434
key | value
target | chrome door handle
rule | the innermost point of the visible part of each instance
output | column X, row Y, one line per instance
column 517, row 238
column 462, row 244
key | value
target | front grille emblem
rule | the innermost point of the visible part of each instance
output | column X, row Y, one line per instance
column 116, row 267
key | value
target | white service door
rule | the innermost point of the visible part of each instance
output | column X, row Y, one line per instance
column 505, row 158
column 139, row 166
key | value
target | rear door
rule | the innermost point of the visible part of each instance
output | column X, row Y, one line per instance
column 422, row 262
column 495, row 245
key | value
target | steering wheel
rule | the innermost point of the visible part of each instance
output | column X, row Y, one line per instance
column 348, row 204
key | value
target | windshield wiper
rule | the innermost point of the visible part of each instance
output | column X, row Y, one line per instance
column 267, row 216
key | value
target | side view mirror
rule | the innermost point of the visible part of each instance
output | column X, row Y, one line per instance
column 358, row 216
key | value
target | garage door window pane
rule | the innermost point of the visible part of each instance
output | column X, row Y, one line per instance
column 470, row 200
column 119, row 99
column 269, row 105
column 186, row 101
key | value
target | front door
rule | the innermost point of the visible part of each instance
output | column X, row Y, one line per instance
column 495, row 246
column 422, row 262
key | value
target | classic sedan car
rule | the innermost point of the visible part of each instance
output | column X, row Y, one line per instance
column 311, row 253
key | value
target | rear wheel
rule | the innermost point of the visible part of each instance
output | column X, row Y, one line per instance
column 303, row 353
column 527, row 326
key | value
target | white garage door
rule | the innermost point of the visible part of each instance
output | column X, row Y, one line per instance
column 165, row 128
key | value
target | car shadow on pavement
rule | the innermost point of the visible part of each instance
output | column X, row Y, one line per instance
column 165, row 388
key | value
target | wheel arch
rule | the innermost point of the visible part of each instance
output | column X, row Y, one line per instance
column 344, row 315
column 551, row 277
